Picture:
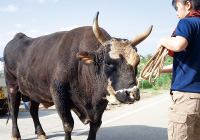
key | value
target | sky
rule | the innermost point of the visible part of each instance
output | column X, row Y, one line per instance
column 120, row 18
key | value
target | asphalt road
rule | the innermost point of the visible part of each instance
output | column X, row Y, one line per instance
column 144, row 120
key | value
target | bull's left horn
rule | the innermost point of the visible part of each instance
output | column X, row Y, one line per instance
column 139, row 38
column 97, row 31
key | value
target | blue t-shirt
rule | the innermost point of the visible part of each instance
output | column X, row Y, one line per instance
column 186, row 64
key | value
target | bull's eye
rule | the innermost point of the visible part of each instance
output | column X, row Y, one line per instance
column 109, row 68
column 110, row 65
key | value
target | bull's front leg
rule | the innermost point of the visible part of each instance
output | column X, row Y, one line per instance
column 94, row 127
column 68, row 125
column 62, row 102
column 67, row 120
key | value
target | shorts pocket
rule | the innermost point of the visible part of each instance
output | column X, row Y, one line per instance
column 193, row 95
column 195, row 101
column 179, row 118
column 177, row 128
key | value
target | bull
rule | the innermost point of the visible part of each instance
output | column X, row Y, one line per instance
column 79, row 70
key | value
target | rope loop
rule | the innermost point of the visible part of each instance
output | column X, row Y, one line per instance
column 153, row 67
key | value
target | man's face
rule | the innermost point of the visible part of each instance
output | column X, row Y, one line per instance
column 182, row 10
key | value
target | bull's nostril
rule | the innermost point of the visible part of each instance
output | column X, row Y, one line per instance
column 126, row 92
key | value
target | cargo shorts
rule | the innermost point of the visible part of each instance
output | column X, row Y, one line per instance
column 184, row 116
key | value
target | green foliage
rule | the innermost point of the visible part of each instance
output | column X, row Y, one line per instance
column 163, row 82
column 154, row 87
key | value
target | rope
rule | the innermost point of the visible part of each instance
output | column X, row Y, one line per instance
column 153, row 67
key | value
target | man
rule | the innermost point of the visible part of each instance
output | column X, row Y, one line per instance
column 184, row 46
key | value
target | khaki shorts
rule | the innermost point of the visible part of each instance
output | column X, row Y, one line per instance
column 184, row 116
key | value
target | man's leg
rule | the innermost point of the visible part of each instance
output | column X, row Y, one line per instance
column 182, row 115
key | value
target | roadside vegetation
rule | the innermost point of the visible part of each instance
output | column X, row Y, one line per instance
column 163, row 82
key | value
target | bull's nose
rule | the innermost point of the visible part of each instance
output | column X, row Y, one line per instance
column 135, row 93
column 132, row 96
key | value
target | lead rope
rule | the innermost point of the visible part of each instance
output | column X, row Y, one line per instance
column 153, row 67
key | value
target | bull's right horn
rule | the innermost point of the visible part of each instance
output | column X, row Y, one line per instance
column 139, row 38
column 97, row 31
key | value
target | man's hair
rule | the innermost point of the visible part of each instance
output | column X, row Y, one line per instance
column 195, row 3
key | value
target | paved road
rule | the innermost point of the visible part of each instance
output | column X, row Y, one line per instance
column 144, row 120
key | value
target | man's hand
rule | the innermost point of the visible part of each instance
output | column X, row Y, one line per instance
column 160, row 44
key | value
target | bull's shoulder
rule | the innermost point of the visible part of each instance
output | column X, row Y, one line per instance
column 19, row 36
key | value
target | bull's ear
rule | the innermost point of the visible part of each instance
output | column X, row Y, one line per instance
column 86, row 57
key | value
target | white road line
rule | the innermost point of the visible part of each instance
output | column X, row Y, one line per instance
column 122, row 116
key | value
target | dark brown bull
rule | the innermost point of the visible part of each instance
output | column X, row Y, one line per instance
column 46, row 70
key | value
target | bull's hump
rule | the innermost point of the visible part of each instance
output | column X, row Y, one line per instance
column 19, row 36
column 124, row 48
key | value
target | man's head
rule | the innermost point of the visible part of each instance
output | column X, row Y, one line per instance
column 183, row 7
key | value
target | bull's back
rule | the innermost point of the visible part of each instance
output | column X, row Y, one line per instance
column 23, row 49
column 28, row 60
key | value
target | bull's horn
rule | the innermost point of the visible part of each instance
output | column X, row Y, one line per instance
column 97, row 31
column 139, row 38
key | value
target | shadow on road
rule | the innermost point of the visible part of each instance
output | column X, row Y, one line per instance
column 132, row 132
column 129, row 132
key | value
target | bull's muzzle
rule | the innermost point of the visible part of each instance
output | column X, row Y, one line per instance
column 128, row 95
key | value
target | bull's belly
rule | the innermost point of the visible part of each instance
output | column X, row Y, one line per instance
column 36, row 94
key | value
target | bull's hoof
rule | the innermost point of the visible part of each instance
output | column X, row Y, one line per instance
column 15, row 138
column 42, row 137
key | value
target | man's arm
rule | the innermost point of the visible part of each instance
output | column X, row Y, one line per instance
column 167, row 69
column 175, row 44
